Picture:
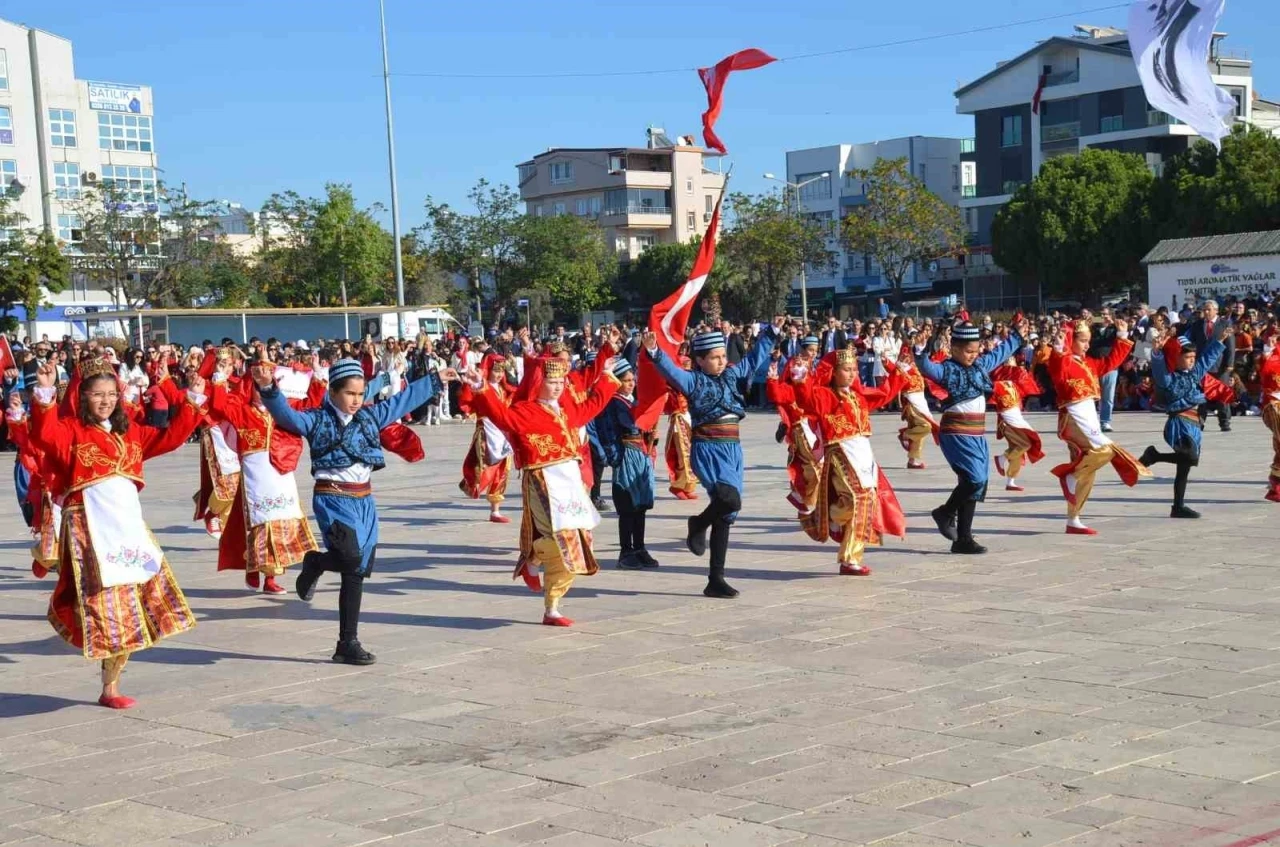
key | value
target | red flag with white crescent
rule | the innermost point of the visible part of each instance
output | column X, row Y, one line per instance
column 7, row 359
column 668, row 320
column 714, row 78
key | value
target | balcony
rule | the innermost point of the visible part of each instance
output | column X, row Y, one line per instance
column 637, row 215
column 968, row 145
column 1155, row 117
column 1011, row 186
column 1059, row 132
column 969, row 191
column 1062, row 78
column 1113, row 123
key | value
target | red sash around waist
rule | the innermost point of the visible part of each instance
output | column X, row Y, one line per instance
column 964, row 423
column 343, row 489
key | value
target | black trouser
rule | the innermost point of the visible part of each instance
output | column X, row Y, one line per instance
column 725, row 500
column 1184, row 457
column 630, row 522
column 342, row 556
column 963, row 503
column 1223, row 410
column 597, row 474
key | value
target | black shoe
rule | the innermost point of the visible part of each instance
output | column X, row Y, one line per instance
column 946, row 522
column 781, row 433
column 629, row 561
column 351, row 653
column 697, row 539
column 645, row 559
column 1149, row 456
column 1183, row 512
column 600, row 503
column 310, row 575
column 1225, row 426
column 967, row 547
column 719, row 589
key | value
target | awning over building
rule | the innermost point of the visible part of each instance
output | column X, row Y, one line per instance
column 1234, row 246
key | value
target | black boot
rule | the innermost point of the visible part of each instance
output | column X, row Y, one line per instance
column 781, row 433
column 351, row 653
column 637, row 541
column 965, row 544
column 967, row 547
column 716, row 586
column 946, row 522
column 1180, row 509
column 1150, row 456
column 697, row 538
column 312, row 567
column 1183, row 512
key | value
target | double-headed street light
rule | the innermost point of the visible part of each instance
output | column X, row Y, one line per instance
column 795, row 187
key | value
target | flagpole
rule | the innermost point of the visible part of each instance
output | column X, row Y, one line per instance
column 401, row 328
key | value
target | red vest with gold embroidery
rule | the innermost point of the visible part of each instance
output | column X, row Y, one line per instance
column 544, row 437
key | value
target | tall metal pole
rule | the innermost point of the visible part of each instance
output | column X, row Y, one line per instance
column 391, row 163
column 804, row 283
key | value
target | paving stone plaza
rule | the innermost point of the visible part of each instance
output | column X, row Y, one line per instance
column 1120, row 690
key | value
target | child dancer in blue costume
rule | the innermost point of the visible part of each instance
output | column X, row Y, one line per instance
column 629, row 451
column 716, row 407
column 1180, row 390
column 345, row 451
column 966, row 377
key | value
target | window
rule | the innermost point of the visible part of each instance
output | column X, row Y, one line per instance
column 691, row 220
column 537, row 211
column 581, row 207
column 1237, row 94
column 557, row 209
column 4, row 71
column 688, row 186
column 561, row 172
column 528, row 172
column 620, row 244
column 138, row 185
column 617, row 164
column 6, row 125
column 8, row 172
column 955, row 177
column 66, row 180
column 62, row 127
column 818, row 187
column 595, row 206
column 710, row 205
column 1113, row 123
column 637, row 201
column 644, row 242
column 131, row 133
column 69, row 229
column 1011, row 131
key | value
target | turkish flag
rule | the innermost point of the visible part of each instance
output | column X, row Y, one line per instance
column 714, row 78
column 6, row 355
column 1035, row 100
column 668, row 320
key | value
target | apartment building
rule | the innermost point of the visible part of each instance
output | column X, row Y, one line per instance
column 1090, row 96
column 660, row 193
column 827, row 193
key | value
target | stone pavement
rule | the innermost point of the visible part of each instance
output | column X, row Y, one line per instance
column 1122, row 690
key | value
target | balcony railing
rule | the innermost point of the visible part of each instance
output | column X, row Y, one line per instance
column 1011, row 186
column 637, row 210
column 1155, row 117
column 1062, row 78
column 968, row 145
column 969, row 191
column 1059, row 132
column 1112, row 123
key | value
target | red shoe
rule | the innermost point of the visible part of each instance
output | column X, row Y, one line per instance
column 499, row 519
column 531, row 579
column 270, row 586
column 117, row 702
column 1000, row 465
column 913, row 465
column 38, row 570
column 252, row 581
column 547, row 620
column 1273, row 495
column 855, row 570
column 213, row 526
column 1081, row 530
column 1014, row 488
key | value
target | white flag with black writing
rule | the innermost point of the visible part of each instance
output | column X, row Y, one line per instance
column 1170, row 41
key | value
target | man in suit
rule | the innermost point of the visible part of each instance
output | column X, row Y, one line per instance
column 735, row 344
column 833, row 337
column 791, row 346
column 1201, row 333
column 1104, row 338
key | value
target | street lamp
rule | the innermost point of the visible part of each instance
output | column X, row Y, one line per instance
column 795, row 187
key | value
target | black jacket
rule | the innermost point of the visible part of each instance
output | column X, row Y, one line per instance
column 1201, row 334
column 840, row 340
column 735, row 348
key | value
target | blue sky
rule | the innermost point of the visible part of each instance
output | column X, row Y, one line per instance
column 256, row 96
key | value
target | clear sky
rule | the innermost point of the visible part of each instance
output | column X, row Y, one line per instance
column 256, row 96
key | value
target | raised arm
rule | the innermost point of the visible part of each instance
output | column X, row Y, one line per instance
column 676, row 376
column 1119, row 352
column 47, row 431
column 157, row 442
column 1160, row 371
column 487, row 402
column 754, row 361
column 989, row 361
column 580, row 414
column 883, row 395
column 1207, row 361
column 277, row 405
column 929, row 368
column 374, row 387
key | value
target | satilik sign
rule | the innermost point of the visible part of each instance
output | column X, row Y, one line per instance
column 114, row 97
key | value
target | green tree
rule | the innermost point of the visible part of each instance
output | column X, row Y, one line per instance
column 566, row 256
column 119, row 250
column 478, row 245
column 902, row 223
column 657, row 272
column 30, row 264
column 1080, row 227
column 1204, row 192
column 764, row 245
column 538, row 313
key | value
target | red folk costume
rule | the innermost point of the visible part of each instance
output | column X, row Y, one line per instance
column 1012, row 386
column 115, row 593
column 46, row 508
column 681, row 480
column 555, row 529
column 219, row 460
column 1270, row 377
column 919, row 420
column 804, row 450
column 577, row 385
column 1075, row 381
column 487, row 464
column 265, row 531
column 855, row 503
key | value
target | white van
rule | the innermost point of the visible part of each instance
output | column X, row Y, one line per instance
column 433, row 322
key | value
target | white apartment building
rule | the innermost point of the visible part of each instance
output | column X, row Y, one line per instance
column 855, row 279
column 59, row 134
column 661, row 193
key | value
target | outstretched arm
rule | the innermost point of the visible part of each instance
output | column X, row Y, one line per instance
column 988, row 362
column 1206, row 362
column 753, row 361
column 298, row 423
column 419, row 392
column 580, row 414
column 676, row 376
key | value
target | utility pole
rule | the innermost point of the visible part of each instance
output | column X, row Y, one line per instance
column 391, row 163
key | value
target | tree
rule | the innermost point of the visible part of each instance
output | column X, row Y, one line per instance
column 565, row 256
column 120, row 236
column 477, row 245
column 1204, row 192
column 902, row 223
column 30, row 264
column 1080, row 227
column 764, row 245
column 657, row 272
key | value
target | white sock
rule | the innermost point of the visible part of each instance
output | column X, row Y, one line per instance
column 1076, row 523
column 554, row 613
column 1013, row 481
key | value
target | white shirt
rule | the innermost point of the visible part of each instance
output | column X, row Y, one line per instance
column 357, row 474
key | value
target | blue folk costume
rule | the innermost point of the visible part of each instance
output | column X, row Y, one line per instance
column 598, row 458
column 963, row 435
column 716, row 407
column 1182, row 393
column 345, row 451
column 629, row 451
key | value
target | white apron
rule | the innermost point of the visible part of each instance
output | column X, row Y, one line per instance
column 809, row 435
column 858, row 451
column 122, row 544
column 496, row 446
column 268, row 494
column 919, row 403
column 1085, row 414
column 570, row 503
column 1014, row 418
column 224, row 438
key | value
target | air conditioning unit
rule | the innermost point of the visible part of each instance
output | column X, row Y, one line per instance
column 91, row 178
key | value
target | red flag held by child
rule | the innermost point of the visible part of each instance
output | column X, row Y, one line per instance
column 714, row 78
